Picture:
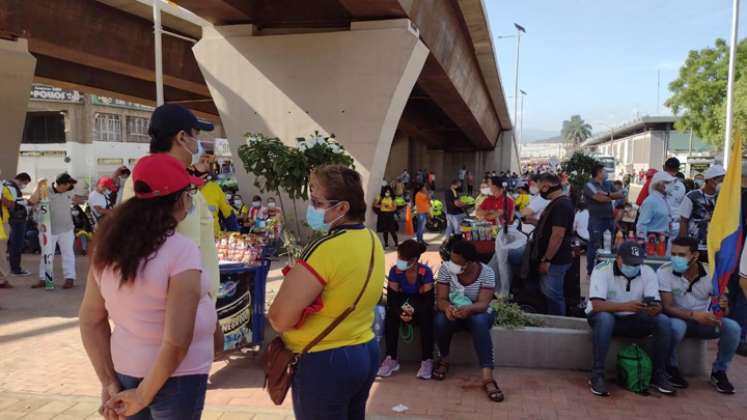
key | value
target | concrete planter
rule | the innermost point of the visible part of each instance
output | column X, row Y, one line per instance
column 561, row 343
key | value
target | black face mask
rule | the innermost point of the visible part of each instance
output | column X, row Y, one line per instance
column 204, row 175
column 546, row 194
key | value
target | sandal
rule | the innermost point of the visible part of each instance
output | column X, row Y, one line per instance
column 441, row 369
column 493, row 392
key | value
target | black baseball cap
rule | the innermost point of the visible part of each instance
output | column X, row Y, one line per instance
column 65, row 178
column 169, row 119
column 631, row 253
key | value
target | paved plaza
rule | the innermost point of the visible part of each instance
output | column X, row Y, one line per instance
column 45, row 374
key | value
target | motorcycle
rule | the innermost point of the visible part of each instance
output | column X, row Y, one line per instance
column 437, row 218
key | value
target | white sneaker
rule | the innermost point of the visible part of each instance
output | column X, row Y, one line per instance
column 388, row 366
column 426, row 369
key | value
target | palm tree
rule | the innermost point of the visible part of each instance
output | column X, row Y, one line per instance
column 576, row 129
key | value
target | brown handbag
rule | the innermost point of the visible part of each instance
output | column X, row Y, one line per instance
column 280, row 363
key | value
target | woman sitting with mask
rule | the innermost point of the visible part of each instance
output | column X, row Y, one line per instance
column 463, row 294
column 409, row 300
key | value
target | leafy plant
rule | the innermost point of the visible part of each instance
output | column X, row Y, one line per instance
column 578, row 168
column 510, row 315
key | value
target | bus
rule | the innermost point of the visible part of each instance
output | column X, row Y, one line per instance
column 609, row 165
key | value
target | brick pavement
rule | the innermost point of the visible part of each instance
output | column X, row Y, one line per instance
column 44, row 373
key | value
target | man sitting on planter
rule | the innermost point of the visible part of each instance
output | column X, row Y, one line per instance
column 686, row 294
column 624, row 301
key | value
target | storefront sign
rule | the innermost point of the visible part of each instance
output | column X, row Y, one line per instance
column 42, row 153
column 119, row 103
column 109, row 161
column 55, row 94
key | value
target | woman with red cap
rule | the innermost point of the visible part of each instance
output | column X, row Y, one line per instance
column 149, row 280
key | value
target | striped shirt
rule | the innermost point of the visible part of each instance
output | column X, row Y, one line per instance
column 486, row 280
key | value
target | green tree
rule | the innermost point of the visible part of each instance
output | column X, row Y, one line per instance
column 575, row 129
column 699, row 92
column 578, row 167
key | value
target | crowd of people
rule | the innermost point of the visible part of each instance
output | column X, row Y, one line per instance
column 154, row 272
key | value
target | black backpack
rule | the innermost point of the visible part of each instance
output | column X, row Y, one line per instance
column 19, row 213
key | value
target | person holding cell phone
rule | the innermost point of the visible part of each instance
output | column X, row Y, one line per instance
column 624, row 301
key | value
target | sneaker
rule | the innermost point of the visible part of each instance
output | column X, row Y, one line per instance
column 598, row 386
column 388, row 366
column 661, row 384
column 22, row 273
column 426, row 369
column 742, row 348
column 675, row 379
column 721, row 382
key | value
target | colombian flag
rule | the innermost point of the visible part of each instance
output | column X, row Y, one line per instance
column 725, row 231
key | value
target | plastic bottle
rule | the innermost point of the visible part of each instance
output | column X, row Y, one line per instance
column 607, row 241
column 651, row 245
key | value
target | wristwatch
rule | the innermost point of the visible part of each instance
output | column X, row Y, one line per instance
column 544, row 260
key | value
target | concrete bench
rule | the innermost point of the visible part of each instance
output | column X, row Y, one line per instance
column 561, row 343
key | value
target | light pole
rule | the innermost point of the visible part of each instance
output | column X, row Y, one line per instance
column 521, row 119
column 519, row 30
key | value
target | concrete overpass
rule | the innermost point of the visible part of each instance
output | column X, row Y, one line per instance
column 411, row 83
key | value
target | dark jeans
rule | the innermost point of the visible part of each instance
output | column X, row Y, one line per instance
column 180, row 398
column 423, row 318
column 15, row 245
column 395, row 239
column 553, row 287
column 605, row 325
column 738, row 305
column 479, row 326
column 334, row 384
column 596, row 239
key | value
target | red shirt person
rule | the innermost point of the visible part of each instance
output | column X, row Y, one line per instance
column 496, row 206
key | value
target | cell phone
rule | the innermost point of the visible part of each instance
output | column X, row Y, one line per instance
column 649, row 300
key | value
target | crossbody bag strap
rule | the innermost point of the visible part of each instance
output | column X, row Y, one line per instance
column 350, row 309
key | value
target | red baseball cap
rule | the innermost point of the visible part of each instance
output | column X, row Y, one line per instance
column 164, row 174
column 108, row 183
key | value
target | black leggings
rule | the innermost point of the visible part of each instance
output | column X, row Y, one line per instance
column 386, row 238
column 423, row 318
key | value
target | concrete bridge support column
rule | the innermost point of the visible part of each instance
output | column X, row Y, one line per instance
column 351, row 83
column 16, row 73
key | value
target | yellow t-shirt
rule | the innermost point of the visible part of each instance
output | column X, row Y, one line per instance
column 216, row 201
column 6, row 213
column 522, row 201
column 387, row 205
column 198, row 225
column 340, row 262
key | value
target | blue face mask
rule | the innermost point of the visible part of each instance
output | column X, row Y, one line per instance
column 402, row 265
column 199, row 152
column 630, row 271
column 679, row 264
column 315, row 219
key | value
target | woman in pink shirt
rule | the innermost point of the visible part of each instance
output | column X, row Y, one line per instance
column 149, row 281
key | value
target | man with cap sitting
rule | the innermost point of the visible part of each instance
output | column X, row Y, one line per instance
column 174, row 130
column 686, row 289
column 655, row 217
column 61, row 199
column 624, row 301
column 698, row 206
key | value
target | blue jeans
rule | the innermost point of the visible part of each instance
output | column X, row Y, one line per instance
column 727, row 333
column 180, row 398
column 596, row 239
column 421, row 218
column 453, row 224
column 15, row 245
column 479, row 326
column 605, row 325
column 334, row 384
column 552, row 285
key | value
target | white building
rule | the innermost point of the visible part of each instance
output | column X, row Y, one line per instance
column 85, row 135
column 647, row 142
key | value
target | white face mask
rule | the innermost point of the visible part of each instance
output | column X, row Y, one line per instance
column 718, row 186
column 256, row 203
column 454, row 268
column 271, row 205
column 485, row 191
column 533, row 190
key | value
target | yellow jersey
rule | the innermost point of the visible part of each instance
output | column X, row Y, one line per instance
column 340, row 262
column 216, row 202
column 522, row 200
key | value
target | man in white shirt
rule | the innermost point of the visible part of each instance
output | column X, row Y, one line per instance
column 686, row 290
column 675, row 191
column 624, row 301
column 98, row 199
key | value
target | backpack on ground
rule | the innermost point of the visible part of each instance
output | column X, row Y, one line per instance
column 634, row 369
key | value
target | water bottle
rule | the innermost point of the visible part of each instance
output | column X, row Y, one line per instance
column 607, row 241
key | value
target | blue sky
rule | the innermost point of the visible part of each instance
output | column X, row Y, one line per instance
column 600, row 58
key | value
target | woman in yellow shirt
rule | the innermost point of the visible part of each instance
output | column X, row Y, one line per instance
column 332, row 380
column 522, row 200
column 386, row 223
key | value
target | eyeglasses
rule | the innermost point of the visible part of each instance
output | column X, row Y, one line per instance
column 323, row 204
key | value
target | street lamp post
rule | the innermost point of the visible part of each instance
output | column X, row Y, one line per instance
column 519, row 30
column 521, row 120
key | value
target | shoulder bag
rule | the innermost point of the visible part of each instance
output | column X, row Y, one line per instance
column 280, row 363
